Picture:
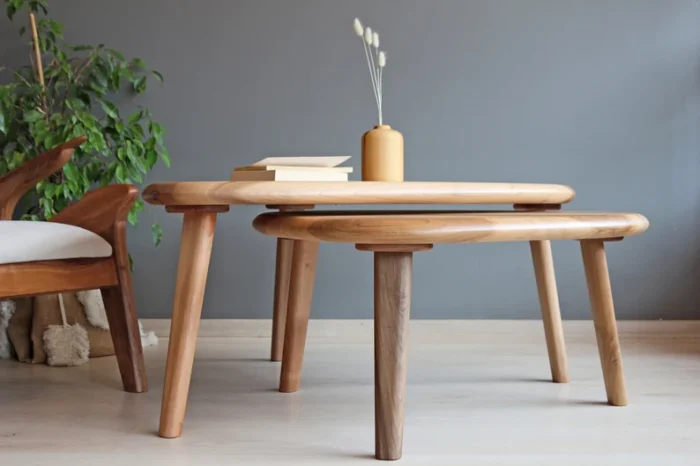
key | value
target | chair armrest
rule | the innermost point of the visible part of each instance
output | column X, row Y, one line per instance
column 101, row 210
column 15, row 184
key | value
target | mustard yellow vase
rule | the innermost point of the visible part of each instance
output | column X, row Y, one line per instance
column 382, row 154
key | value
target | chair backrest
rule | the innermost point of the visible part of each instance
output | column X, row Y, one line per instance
column 100, row 210
column 15, row 184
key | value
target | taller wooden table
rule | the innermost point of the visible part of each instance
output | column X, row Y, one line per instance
column 200, row 202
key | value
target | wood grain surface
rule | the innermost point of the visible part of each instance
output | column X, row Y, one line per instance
column 603, row 310
column 354, row 192
column 301, row 289
column 121, row 310
column 283, row 267
column 45, row 277
column 551, row 315
column 392, row 309
column 193, row 266
column 404, row 227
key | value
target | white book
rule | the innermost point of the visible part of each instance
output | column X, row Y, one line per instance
column 251, row 168
column 320, row 162
column 288, row 175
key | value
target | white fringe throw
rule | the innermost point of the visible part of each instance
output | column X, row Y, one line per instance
column 97, row 315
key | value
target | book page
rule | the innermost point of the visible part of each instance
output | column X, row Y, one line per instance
column 302, row 161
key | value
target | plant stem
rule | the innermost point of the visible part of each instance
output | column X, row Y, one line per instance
column 39, row 65
column 80, row 72
column 35, row 39
column 17, row 75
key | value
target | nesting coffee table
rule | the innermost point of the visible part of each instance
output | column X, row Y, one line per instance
column 393, row 237
column 201, row 202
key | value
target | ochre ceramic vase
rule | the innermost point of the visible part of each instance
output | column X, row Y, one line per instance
column 382, row 154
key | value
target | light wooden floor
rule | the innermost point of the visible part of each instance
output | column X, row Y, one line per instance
column 478, row 394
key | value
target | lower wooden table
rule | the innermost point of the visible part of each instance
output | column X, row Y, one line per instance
column 201, row 202
column 395, row 236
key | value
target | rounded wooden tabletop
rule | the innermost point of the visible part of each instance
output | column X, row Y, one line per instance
column 352, row 192
column 406, row 227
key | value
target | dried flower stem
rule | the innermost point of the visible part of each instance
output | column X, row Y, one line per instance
column 374, row 71
column 370, row 66
column 381, row 72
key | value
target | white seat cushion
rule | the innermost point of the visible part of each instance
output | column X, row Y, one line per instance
column 26, row 241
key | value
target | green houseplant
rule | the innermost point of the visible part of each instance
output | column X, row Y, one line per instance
column 69, row 91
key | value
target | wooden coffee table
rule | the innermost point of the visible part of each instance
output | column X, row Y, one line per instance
column 394, row 237
column 200, row 202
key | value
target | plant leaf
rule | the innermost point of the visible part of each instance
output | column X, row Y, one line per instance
column 55, row 27
column 140, row 84
column 117, row 55
column 132, row 218
column 110, row 109
column 119, row 174
column 71, row 171
column 158, row 75
column 49, row 190
column 135, row 117
column 137, row 62
column 165, row 157
column 11, row 10
column 156, row 233
column 33, row 115
column 151, row 158
column 157, row 131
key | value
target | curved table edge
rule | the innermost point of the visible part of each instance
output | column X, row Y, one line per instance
column 480, row 227
column 354, row 192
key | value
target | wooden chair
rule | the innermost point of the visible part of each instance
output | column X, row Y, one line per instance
column 81, row 248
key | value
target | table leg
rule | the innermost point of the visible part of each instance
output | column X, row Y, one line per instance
column 195, row 251
column 551, row 315
column 603, row 310
column 301, row 288
column 285, row 248
column 392, row 304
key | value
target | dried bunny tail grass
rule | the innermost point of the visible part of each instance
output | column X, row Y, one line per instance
column 357, row 25
column 374, row 64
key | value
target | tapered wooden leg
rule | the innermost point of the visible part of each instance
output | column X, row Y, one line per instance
column 283, row 267
column 603, row 310
column 551, row 315
column 392, row 305
column 301, row 288
column 195, row 251
column 123, row 320
column 126, row 337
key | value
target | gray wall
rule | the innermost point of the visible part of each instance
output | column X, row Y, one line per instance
column 603, row 95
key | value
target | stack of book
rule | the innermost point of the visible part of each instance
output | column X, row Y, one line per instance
column 294, row 169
